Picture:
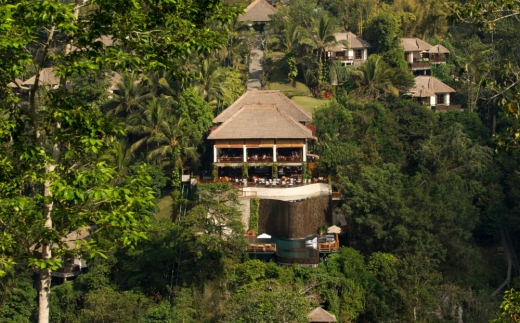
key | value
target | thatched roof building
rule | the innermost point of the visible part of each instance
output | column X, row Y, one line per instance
column 415, row 45
column 261, row 121
column 319, row 315
column 354, row 41
column 47, row 78
column 258, row 11
column 269, row 97
column 426, row 85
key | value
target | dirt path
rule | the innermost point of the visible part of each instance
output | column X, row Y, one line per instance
column 255, row 69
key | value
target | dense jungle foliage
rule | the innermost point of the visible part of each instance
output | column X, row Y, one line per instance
column 430, row 197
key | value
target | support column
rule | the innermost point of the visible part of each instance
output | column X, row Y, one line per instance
column 274, row 153
column 214, row 153
column 245, row 154
column 305, row 151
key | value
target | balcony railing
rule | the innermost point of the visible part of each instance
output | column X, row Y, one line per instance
column 342, row 58
column 419, row 65
column 438, row 59
column 236, row 159
column 260, row 159
column 289, row 159
column 446, row 108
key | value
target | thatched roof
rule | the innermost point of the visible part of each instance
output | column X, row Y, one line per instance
column 71, row 238
column 415, row 45
column 334, row 229
column 258, row 11
column 425, row 85
column 439, row 49
column 265, row 97
column 17, row 83
column 320, row 315
column 353, row 40
column 422, row 93
column 115, row 79
column 261, row 121
column 47, row 77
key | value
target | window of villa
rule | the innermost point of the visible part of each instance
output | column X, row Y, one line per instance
column 440, row 99
column 359, row 53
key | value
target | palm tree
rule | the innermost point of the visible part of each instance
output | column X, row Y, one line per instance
column 162, row 83
column 147, row 123
column 321, row 36
column 167, row 142
column 374, row 78
column 130, row 97
column 172, row 145
column 210, row 80
column 119, row 156
column 290, row 38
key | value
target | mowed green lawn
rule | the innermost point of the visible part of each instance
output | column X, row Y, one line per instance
column 165, row 205
column 309, row 103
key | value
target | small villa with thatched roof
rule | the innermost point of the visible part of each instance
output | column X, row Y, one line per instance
column 263, row 132
column 419, row 54
column 433, row 93
column 258, row 12
column 350, row 49
column 319, row 315
column 46, row 78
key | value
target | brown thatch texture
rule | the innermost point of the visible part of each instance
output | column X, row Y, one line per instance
column 47, row 77
column 439, row 49
column 265, row 97
column 320, row 315
column 428, row 85
column 258, row 11
column 415, row 45
column 353, row 40
column 422, row 93
column 258, row 121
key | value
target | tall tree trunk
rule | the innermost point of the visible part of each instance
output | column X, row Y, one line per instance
column 45, row 275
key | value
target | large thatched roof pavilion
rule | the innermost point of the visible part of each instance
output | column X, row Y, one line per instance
column 263, row 129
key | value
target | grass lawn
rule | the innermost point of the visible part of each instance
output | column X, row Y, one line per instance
column 309, row 103
column 288, row 89
column 165, row 207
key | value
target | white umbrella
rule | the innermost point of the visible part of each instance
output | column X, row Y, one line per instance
column 264, row 236
column 334, row 229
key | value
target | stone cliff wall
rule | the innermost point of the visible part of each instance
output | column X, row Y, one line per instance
column 293, row 220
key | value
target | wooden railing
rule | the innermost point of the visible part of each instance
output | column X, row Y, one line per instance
column 446, row 108
column 289, row 159
column 236, row 159
column 328, row 246
column 421, row 65
column 342, row 58
column 259, row 159
column 262, row 247
column 438, row 59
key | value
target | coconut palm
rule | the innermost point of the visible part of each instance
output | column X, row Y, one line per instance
column 171, row 145
column 147, row 123
column 290, row 38
column 167, row 142
column 321, row 36
column 210, row 80
column 129, row 98
column 162, row 83
column 374, row 79
column 119, row 156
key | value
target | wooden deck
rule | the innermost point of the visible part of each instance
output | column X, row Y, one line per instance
column 261, row 247
column 327, row 247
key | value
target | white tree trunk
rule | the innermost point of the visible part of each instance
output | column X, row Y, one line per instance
column 45, row 277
